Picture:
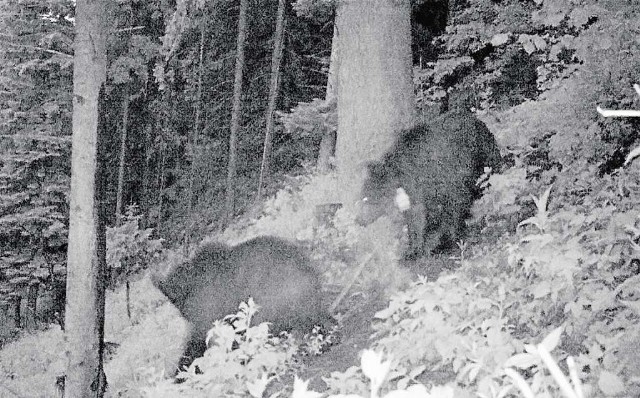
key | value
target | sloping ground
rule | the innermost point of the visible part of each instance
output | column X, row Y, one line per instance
column 152, row 339
column 358, row 313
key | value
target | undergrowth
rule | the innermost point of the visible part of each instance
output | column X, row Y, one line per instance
column 568, row 271
column 555, row 263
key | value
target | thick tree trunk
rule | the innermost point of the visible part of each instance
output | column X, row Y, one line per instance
column 235, row 112
column 84, row 323
column 328, row 143
column 276, row 58
column 123, row 152
column 375, row 93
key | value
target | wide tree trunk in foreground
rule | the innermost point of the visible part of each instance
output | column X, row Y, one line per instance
column 328, row 142
column 235, row 112
column 84, row 321
column 375, row 88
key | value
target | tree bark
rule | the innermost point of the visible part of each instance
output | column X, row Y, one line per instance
column 276, row 58
column 16, row 300
column 84, row 323
column 123, row 152
column 161, row 179
column 375, row 88
column 32, row 301
column 235, row 112
column 196, row 132
column 144, row 198
column 328, row 142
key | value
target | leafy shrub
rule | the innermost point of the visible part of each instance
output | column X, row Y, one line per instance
column 129, row 248
column 241, row 360
column 352, row 384
column 385, row 375
column 573, row 267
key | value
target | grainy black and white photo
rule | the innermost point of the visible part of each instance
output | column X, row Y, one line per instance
column 319, row 198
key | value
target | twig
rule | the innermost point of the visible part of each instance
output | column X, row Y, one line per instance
column 520, row 383
column 345, row 289
column 11, row 391
column 130, row 29
column 618, row 113
column 38, row 49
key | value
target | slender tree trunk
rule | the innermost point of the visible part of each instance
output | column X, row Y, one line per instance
column 276, row 58
column 158, row 161
column 84, row 323
column 162, row 155
column 16, row 299
column 144, row 205
column 375, row 94
column 328, row 143
column 161, row 172
column 32, row 301
column 194, row 139
column 123, row 153
column 235, row 112
column 196, row 132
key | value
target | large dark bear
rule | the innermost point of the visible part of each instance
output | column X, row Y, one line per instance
column 274, row 272
column 435, row 166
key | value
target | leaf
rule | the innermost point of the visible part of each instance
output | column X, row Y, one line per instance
column 415, row 391
column 522, row 361
column 500, row 39
column 602, row 43
column 442, row 392
column 540, row 42
column 527, row 44
column 580, row 16
column 473, row 373
column 300, row 389
column 543, row 201
column 546, row 18
column 374, row 368
column 402, row 383
column 385, row 313
column 542, row 289
column 417, row 371
column 610, row 384
column 256, row 388
column 553, row 339
column 632, row 155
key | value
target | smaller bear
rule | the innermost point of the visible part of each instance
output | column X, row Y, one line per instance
column 276, row 273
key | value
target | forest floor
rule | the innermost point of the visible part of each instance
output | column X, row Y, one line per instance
column 357, row 330
column 151, row 341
